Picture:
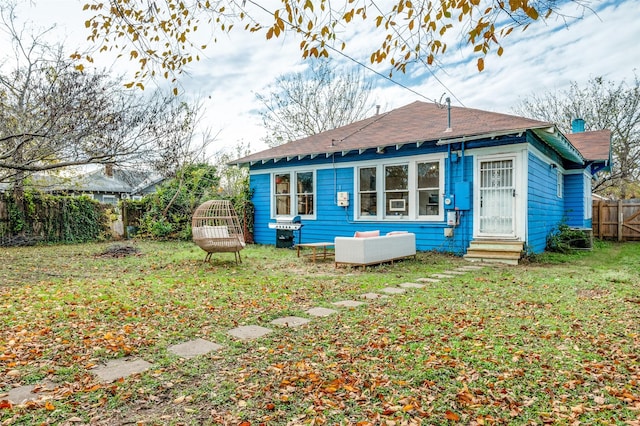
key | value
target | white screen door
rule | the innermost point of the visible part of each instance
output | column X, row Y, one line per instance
column 497, row 198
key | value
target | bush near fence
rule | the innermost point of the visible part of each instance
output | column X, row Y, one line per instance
column 52, row 219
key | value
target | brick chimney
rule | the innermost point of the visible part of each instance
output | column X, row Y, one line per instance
column 108, row 169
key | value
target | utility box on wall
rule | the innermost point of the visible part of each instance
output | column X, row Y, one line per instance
column 463, row 191
column 343, row 199
column 449, row 202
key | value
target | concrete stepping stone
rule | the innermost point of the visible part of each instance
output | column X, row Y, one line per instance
column 26, row 393
column 411, row 285
column 455, row 273
column 120, row 368
column 393, row 290
column 373, row 296
column 291, row 321
column 194, row 348
column 321, row 312
column 428, row 280
column 248, row 332
column 348, row 303
column 470, row 268
column 442, row 276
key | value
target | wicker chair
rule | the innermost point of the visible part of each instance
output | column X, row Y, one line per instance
column 216, row 229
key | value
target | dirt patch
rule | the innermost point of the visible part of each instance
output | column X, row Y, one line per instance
column 594, row 293
column 120, row 250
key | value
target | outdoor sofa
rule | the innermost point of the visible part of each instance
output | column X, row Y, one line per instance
column 369, row 248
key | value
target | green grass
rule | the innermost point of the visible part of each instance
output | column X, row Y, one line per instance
column 555, row 340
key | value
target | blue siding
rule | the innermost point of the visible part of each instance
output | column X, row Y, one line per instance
column 332, row 220
column 545, row 210
column 575, row 199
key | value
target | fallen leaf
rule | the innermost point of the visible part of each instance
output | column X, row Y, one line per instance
column 450, row 415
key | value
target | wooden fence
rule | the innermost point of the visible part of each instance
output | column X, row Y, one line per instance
column 617, row 220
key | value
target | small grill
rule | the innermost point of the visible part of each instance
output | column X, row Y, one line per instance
column 285, row 226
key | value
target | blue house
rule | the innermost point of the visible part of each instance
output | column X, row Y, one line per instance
column 470, row 182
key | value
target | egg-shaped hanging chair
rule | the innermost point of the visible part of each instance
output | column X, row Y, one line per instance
column 216, row 229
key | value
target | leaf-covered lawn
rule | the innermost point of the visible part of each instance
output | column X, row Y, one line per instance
column 552, row 341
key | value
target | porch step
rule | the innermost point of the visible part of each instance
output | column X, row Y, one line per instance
column 508, row 252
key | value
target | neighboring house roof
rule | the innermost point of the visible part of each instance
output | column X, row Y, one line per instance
column 594, row 146
column 99, row 182
column 120, row 182
column 416, row 123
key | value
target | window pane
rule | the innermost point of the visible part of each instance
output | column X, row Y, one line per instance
column 283, row 204
column 305, row 183
column 396, row 177
column 428, row 175
column 282, row 184
column 368, row 204
column 305, row 204
column 397, row 203
column 368, row 179
column 428, row 202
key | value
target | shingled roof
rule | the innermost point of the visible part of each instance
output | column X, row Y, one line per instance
column 594, row 146
column 417, row 122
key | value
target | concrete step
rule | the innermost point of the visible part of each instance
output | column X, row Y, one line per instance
column 494, row 245
column 495, row 251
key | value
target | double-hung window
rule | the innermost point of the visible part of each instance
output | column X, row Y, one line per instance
column 396, row 189
column 408, row 191
column 294, row 193
column 368, row 196
column 428, row 186
column 559, row 186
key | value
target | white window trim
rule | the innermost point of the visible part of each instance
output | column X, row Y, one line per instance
column 588, row 197
column 412, row 162
column 293, row 193
column 559, row 183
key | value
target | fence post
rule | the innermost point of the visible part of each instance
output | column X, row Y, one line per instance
column 600, row 220
column 620, row 220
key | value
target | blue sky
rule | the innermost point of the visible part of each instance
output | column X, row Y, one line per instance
column 546, row 57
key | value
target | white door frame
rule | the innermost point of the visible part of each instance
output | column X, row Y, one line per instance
column 520, row 185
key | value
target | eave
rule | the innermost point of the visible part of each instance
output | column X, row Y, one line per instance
column 556, row 140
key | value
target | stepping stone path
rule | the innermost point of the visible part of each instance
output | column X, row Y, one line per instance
column 455, row 272
column 249, row 332
column 121, row 368
column 321, row 312
column 411, row 285
column 291, row 321
column 373, row 296
column 24, row 394
column 393, row 290
column 348, row 303
column 442, row 276
column 194, row 348
column 428, row 280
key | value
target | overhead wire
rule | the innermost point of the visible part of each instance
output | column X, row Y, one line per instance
column 415, row 92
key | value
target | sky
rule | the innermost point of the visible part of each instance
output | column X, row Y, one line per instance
column 547, row 57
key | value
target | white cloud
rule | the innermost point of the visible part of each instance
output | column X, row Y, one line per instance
column 546, row 57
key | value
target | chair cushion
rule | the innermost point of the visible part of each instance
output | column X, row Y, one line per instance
column 366, row 234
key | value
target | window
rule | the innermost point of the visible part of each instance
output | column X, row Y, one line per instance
column 304, row 188
column 588, row 198
column 367, row 192
column 283, row 194
column 296, row 199
column 559, row 179
column 407, row 191
column 110, row 199
column 428, row 184
column 396, row 187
